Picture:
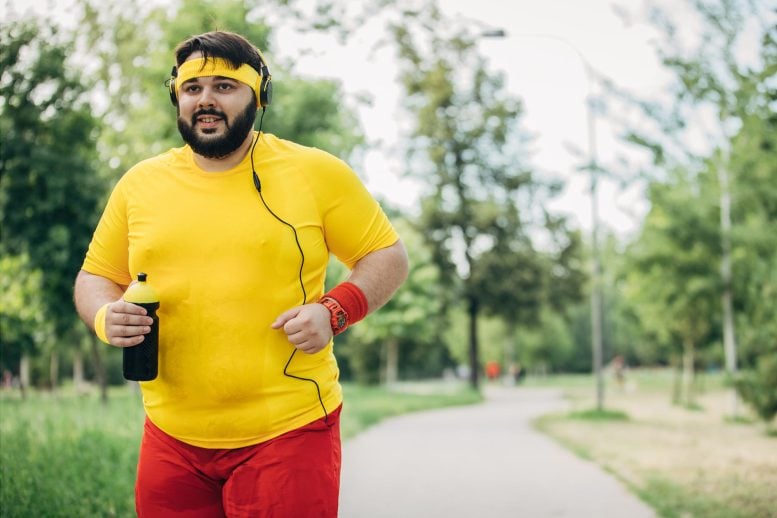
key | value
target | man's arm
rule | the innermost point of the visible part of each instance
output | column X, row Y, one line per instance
column 125, row 323
column 378, row 275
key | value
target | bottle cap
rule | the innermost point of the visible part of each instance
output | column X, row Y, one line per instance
column 141, row 292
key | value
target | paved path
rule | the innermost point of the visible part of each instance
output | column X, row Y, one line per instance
column 481, row 461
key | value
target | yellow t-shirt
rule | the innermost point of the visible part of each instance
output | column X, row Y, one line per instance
column 225, row 268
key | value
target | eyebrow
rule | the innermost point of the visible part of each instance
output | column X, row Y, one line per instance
column 215, row 78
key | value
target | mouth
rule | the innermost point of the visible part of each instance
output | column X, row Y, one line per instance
column 207, row 121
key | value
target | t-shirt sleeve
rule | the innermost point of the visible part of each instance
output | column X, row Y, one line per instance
column 108, row 253
column 354, row 223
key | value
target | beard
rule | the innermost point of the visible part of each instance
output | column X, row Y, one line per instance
column 218, row 147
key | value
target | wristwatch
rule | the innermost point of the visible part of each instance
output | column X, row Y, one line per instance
column 338, row 317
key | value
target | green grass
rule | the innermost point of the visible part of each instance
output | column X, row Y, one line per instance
column 682, row 460
column 671, row 501
column 68, row 455
column 595, row 414
column 659, row 379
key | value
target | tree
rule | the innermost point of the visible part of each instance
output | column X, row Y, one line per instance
column 467, row 146
column 756, row 387
column 410, row 321
column 673, row 279
column 22, row 315
column 717, row 96
column 48, row 187
column 753, row 157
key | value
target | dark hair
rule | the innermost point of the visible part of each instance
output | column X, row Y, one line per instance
column 233, row 48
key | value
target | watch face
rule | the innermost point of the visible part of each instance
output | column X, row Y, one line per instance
column 340, row 320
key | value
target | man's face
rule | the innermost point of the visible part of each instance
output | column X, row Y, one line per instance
column 215, row 114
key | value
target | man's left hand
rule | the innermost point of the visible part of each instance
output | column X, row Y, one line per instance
column 307, row 327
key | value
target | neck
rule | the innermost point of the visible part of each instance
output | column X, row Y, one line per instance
column 217, row 165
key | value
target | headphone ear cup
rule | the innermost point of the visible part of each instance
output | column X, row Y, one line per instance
column 265, row 92
column 173, row 97
column 265, row 87
column 171, row 85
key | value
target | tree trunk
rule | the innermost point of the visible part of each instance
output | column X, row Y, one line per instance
column 99, row 368
column 392, row 360
column 54, row 369
column 729, row 334
column 677, row 392
column 474, row 355
column 78, row 370
column 24, row 374
column 688, row 372
column 510, row 353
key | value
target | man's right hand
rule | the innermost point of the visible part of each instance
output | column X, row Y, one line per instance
column 126, row 323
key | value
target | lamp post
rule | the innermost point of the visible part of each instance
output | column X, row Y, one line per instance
column 592, row 167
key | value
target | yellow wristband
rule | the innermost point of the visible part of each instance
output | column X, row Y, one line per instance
column 99, row 323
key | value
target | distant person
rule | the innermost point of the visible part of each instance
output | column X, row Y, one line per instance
column 234, row 231
column 462, row 371
column 516, row 372
column 493, row 370
column 7, row 379
column 618, row 365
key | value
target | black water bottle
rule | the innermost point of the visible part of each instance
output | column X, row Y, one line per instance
column 141, row 362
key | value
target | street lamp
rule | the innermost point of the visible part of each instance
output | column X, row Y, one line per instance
column 592, row 166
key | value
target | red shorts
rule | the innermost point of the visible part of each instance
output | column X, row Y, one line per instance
column 294, row 475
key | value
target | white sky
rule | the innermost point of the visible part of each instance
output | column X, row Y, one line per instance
column 545, row 73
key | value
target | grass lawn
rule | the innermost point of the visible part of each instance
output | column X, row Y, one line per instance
column 68, row 455
column 683, row 462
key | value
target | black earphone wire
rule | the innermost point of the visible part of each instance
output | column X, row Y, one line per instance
column 258, row 186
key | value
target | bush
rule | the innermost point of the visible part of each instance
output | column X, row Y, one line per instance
column 759, row 387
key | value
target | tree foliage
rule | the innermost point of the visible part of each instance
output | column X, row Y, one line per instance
column 754, row 387
column 48, row 187
column 673, row 281
column 22, row 311
column 479, row 209
column 712, row 141
column 406, row 331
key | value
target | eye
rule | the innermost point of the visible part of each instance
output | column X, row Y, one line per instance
column 191, row 88
column 225, row 86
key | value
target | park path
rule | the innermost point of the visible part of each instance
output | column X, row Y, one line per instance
column 479, row 461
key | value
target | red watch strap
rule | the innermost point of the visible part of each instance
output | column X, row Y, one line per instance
column 338, row 318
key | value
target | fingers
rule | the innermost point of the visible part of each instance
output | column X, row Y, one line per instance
column 126, row 324
column 285, row 317
column 307, row 327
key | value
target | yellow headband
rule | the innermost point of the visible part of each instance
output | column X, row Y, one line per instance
column 199, row 67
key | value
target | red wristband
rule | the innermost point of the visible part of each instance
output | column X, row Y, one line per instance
column 351, row 299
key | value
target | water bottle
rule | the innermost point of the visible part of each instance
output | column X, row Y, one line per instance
column 141, row 362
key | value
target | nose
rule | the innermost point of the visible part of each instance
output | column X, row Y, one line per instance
column 206, row 97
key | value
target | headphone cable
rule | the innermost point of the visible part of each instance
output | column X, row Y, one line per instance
column 258, row 186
